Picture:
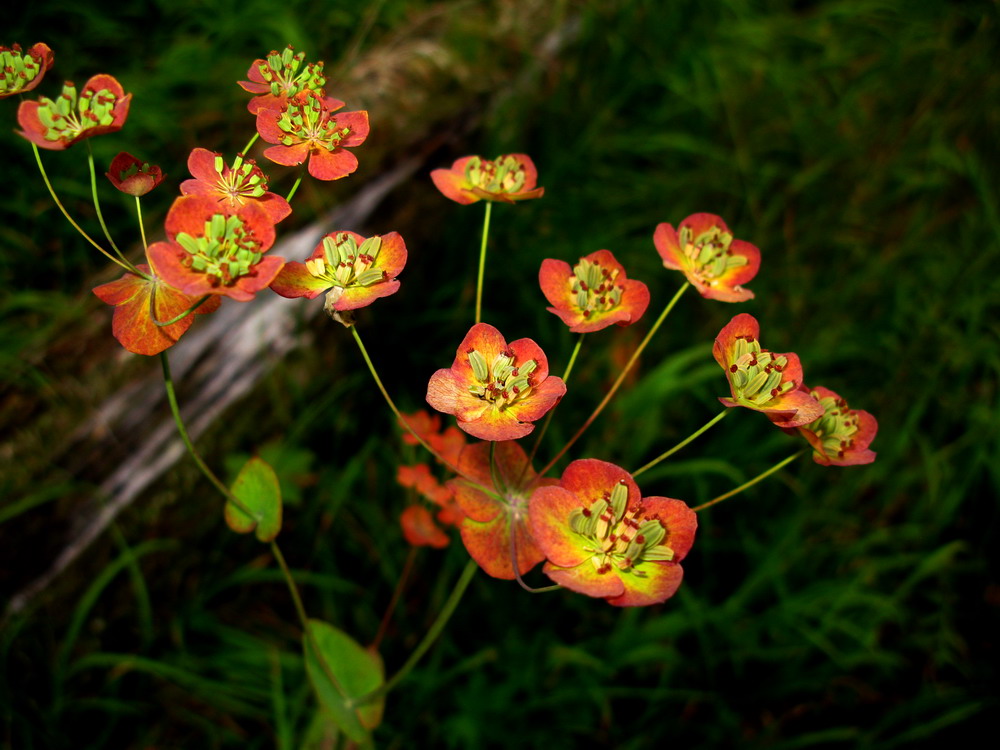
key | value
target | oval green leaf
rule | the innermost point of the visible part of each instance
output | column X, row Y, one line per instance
column 257, row 489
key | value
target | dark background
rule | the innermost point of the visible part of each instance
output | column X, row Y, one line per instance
column 854, row 142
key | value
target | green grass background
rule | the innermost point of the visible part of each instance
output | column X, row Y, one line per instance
column 853, row 141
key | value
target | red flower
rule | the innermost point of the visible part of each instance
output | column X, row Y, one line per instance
column 234, row 186
column 213, row 249
column 306, row 128
column 448, row 444
column 594, row 294
column 761, row 380
column 507, row 178
column 133, row 176
column 280, row 77
column 705, row 251
column 603, row 539
column 102, row 107
column 137, row 299
column 359, row 270
column 842, row 435
column 495, row 390
column 419, row 527
column 22, row 72
column 491, row 518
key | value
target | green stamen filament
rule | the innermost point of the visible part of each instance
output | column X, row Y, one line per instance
column 617, row 536
column 595, row 288
column 307, row 119
column 226, row 251
column 504, row 175
column 242, row 180
column 756, row 374
column 503, row 381
column 709, row 255
column 344, row 264
column 836, row 428
column 282, row 72
column 17, row 70
column 68, row 116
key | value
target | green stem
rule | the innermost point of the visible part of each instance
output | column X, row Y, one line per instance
column 246, row 149
column 52, row 192
column 751, row 483
column 517, row 570
column 97, row 204
column 298, row 181
column 621, row 378
column 482, row 262
column 548, row 417
column 435, row 630
column 717, row 418
column 161, row 323
column 411, row 556
column 142, row 227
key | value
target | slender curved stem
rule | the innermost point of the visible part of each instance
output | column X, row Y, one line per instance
column 97, row 204
column 482, row 262
column 517, row 570
column 77, row 227
column 777, row 467
column 246, row 149
column 621, row 378
column 548, row 417
column 435, row 630
column 142, row 227
column 298, row 181
column 704, row 428
column 161, row 323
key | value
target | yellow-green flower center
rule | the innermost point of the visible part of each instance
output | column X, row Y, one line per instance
column 284, row 74
column 616, row 535
column 226, row 251
column 68, row 116
column 502, row 381
column 504, row 175
column 595, row 288
column 17, row 70
column 709, row 255
column 756, row 373
column 242, row 180
column 344, row 264
column 306, row 119
column 836, row 428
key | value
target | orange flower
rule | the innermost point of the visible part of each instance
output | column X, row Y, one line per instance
column 761, row 380
column 507, row 178
column 704, row 250
column 101, row 107
column 842, row 435
column 494, row 390
column 594, row 294
column 232, row 186
column 20, row 72
column 133, row 176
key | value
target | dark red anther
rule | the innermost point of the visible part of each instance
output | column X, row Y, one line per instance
column 733, row 368
column 587, row 513
column 613, row 538
column 515, row 389
column 508, row 352
column 777, row 368
column 584, row 287
column 774, row 392
column 470, row 350
column 586, row 313
column 641, row 539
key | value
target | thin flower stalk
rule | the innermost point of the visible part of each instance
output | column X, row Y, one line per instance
column 694, row 435
column 97, row 203
column 746, row 485
column 482, row 262
column 548, row 417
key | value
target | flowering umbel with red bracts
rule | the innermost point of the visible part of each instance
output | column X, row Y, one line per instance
column 22, row 71
column 280, row 76
column 842, row 435
column 213, row 249
column 703, row 248
column 142, row 302
column 762, row 380
column 448, row 442
column 507, row 178
column 306, row 128
column 233, row 186
column 495, row 503
column 101, row 107
column 133, row 176
column 495, row 390
column 419, row 526
column 356, row 270
column 594, row 294
column 602, row 539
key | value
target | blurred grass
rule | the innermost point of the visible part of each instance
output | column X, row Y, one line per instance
column 852, row 141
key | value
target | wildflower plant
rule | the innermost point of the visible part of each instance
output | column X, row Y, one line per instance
column 589, row 529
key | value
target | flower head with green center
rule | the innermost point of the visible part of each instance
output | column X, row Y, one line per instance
column 282, row 75
column 594, row 294
column 507, row 178
column 842, row 435
column 495, row 529
column 101, row 107
column 22, row 71
column 132, row 175
column 762, row 380
column 494, row 390
column 212, row 249
column 356, row 271
column 602, row 539
column 703, row 249
column 233, row 186
column 305, row 127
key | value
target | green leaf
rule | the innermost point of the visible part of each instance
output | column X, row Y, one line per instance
column 355, row 671
column 256, row 487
